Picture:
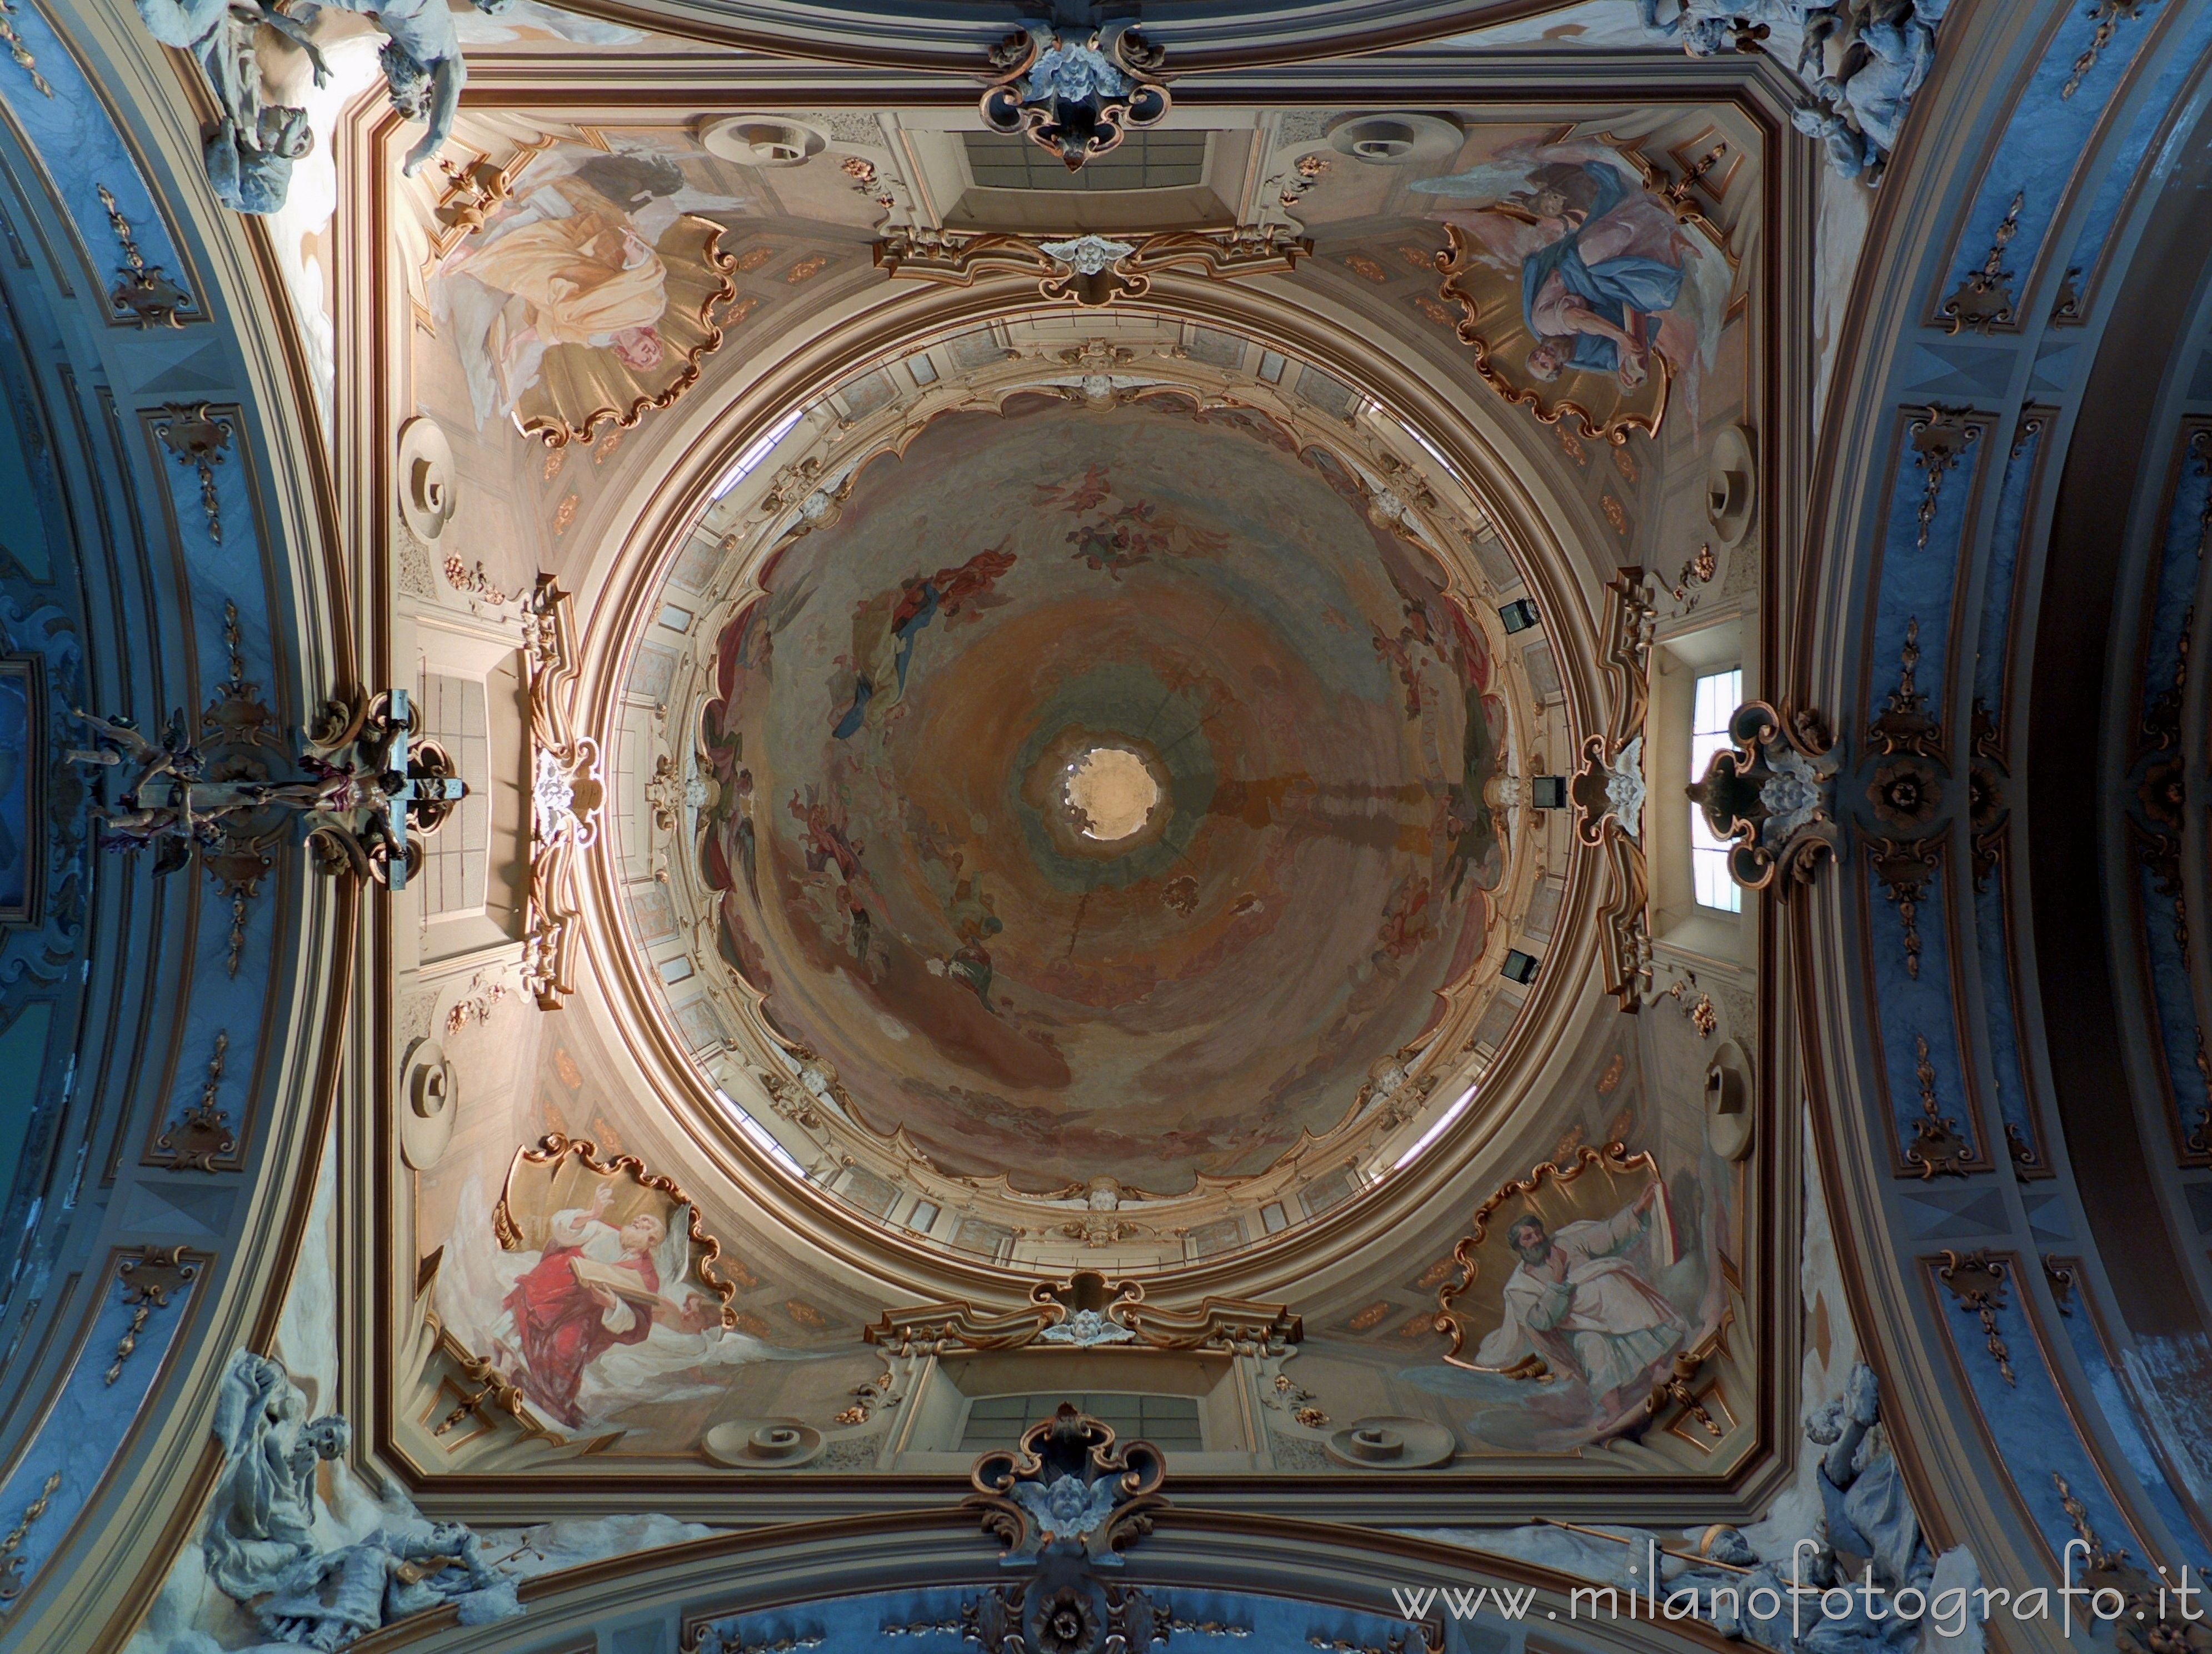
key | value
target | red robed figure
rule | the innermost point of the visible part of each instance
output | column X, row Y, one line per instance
column 562, row 1326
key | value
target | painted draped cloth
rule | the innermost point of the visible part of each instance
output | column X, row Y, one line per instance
column 1617, row 284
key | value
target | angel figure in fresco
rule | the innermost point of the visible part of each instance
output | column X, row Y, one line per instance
column 1109, row 545
column 1578, row 1300
column 969, row 964
column 824, row 837
column 1078, row 498
column 1469, row 826
column 1406, row 922
column 745, row 834
column 884, row 629
column 1608, row 276
column 1137, row 533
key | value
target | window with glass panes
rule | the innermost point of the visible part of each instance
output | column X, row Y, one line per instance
column 1168, row 1422
column 1142, row 161
column 1718, row 693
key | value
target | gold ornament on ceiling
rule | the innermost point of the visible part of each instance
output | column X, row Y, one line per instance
column 1089, row 270
column 1075, row 98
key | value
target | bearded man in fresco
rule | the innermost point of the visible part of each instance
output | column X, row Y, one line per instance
column 1578, row 1300
column 563, row 1319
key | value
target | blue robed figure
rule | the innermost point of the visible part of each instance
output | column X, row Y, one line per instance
column 1595, row 274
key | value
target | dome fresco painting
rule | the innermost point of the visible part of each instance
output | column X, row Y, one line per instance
column 1091, row 827
column 891, row 723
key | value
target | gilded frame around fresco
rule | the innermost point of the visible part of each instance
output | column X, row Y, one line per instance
column 1612, row 1157
column 555, row 1148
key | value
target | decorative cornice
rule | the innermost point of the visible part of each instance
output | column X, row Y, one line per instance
column 1084, row 1311
column 147, row 1276
column 1075, row 99
column 1904, row 868
column 1938, row 1144
column 1773, row 794
column 567, row 794
column 1119, row 1489
column 203, row 1136
column 1088, row 270
column 1978, row 1281
column 1984, row 300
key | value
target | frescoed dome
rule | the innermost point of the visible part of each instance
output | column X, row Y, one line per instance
column 1102, row 792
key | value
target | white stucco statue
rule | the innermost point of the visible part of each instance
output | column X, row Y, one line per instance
column 1861, row 60
column 250, row 155
column 259, row 1542
column 263, row 1516
column 324, row 1600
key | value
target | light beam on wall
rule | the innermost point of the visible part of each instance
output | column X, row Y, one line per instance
column 759, row 1136
column 749, row 461
column 1436, row 1130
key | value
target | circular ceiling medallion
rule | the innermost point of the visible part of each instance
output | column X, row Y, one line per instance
column 761, row 140
column 1401, row 138
column 1392, row 1444
column 427, row 500
column 778, row 1443
column 430, row 1089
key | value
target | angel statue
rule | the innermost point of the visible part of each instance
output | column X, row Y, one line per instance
column 1066, row 1507
column 324, row 1600
column 1862, row 60
column 249, row 156
column 423, row 69
column 261, row 1519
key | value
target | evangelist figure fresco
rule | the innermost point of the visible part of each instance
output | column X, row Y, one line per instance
column 595, row 284
column 590, row 1290
column 1571, row 1294
column 1575, row 273
column 1578, row 1299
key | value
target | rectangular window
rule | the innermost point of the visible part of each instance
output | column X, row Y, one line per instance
column 1170, row 1423
column 450, row 711
column 1142, row 161
column 1718, row 693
